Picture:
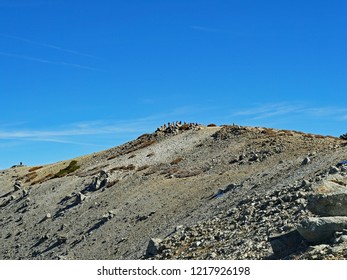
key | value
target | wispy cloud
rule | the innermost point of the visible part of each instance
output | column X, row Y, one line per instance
column 49, row 46
column 79, row 132
column 269, row 110
column 71, row 133
column 41, row 60
column 272, row 110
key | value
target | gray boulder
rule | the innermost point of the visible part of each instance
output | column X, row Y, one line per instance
column 153, row 247
column 328, row 204
column 17, row 185
column 99, row 181
column 321, row 229
column 306, row 160
column 333, row 170
column 80, row 197
column 285, row 244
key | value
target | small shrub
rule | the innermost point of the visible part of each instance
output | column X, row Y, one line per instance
column 176, row 161
column 34, row 168
column 150, row 172
column 112, row 157
column 123, row 168
column 112, row 183
column 144, row 136
column 148, row 143
column 132, row 156
column 150, row 155
column 186, row 174
column 31, row 176
column 67, row 170
column 309, row 135
column 47, row 177
column 269, row 132
column 211, row 125
column 143, row 167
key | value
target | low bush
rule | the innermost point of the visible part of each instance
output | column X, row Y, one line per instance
column 176, row 161
column 34, row 168
column 47, row 177
column 123, row 168
column 67, row 170
column 143, row 167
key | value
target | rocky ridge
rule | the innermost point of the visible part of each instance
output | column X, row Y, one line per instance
column 185, row 191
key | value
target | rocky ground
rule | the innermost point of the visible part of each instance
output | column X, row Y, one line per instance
column 185, row 191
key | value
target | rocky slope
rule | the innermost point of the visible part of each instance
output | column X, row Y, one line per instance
column 185, row 191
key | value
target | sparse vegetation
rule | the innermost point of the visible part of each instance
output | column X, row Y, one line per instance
column 207, row 184
column 144, row 136
column 143, row 167
column 47, row 177
column 68, row 170
column 30, row 176
column 186, row 174
column 269, row 132
column 123, row 168
column 35, row 168
column 112, row 157
column 211, row 125
column 176, row 161
column 112, row 183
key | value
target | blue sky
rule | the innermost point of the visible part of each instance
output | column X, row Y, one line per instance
column 82, row 76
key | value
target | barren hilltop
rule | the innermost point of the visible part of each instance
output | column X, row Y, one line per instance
column 186, row 191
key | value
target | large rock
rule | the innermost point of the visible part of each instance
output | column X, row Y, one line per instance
column 328, row 204
column 285, row 244
column 335, row 183
column 17, row 185
column 153, row 247
column 99, row 182
column 321, row 229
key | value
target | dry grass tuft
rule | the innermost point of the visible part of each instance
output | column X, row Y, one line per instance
column 123, row 168
column 46, row 178
column 30, row 176
column 143, row 167
column 269, row 132
column 186, row 174
column 176, row 161
column 34, row 168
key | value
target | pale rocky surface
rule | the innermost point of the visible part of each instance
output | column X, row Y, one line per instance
column 198, row 192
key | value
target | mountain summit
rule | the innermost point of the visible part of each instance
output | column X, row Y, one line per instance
column 186, row 191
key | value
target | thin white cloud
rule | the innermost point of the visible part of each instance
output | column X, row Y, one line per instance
column 69, row 133
column 41, row 60
column 86, row 132
column 272, row 110
column 49, row 46
column 269, row 110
